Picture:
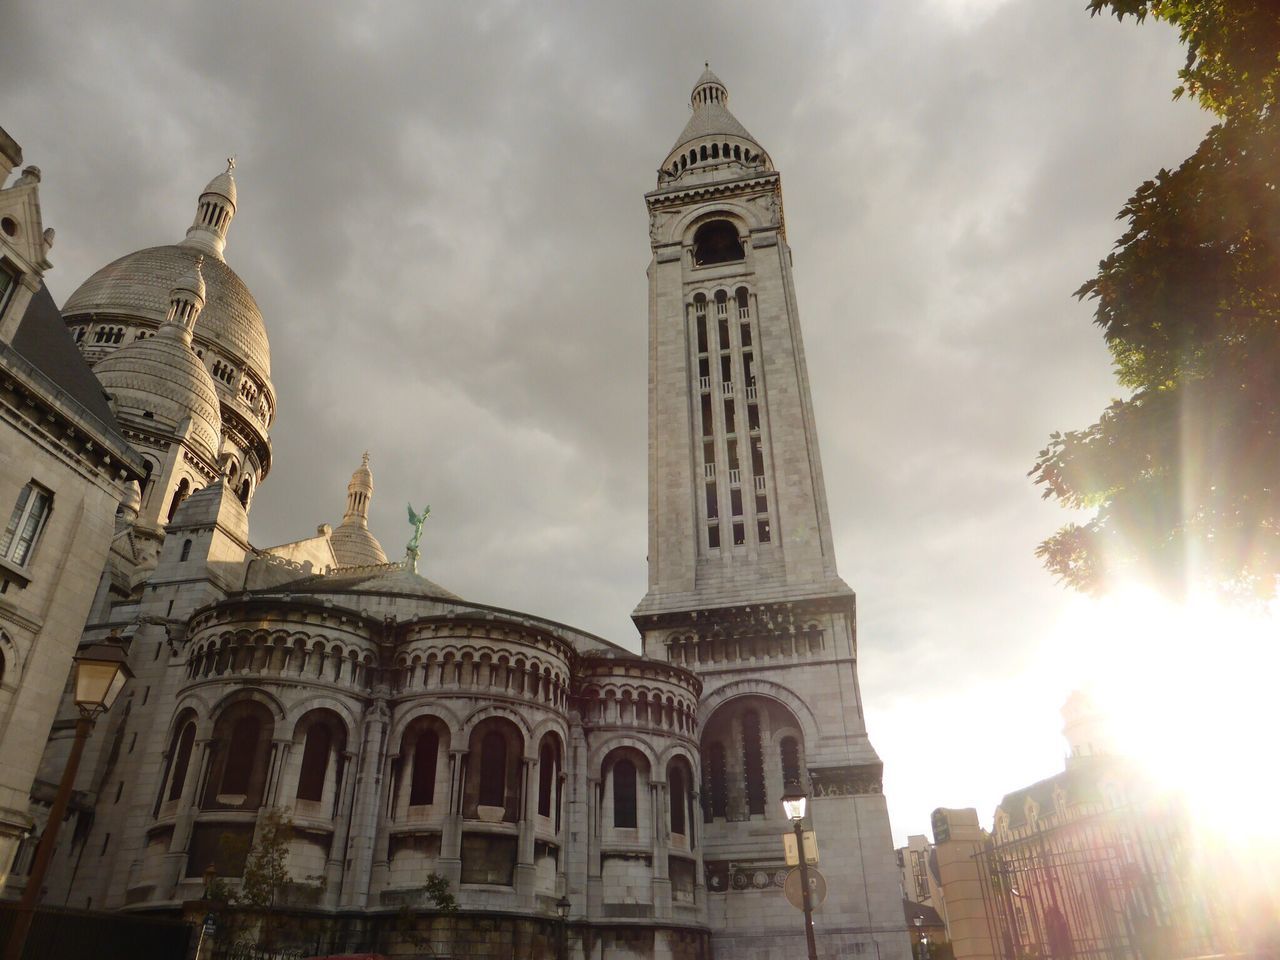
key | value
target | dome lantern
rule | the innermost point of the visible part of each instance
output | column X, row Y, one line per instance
column 708, row 90
column 214, row 210
column 354, row 545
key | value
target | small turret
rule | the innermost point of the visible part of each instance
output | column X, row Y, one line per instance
column 353, row 544
column 216, row 207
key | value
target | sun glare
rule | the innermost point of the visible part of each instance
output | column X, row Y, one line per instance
column 1187, row 691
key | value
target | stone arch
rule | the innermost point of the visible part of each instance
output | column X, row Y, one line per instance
column 751, row 686
column 413, row 710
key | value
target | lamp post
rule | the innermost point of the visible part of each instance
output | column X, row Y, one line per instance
column 100, row 674
column 562, row 910
column 794, row 802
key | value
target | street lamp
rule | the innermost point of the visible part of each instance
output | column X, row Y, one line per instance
column 100, row 673
column 794, row 803
column 562, row 910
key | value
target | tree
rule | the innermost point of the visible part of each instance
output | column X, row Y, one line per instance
column 1184, row 476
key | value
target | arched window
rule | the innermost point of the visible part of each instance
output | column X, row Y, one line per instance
column 493, row 770
column 240, row 754
column 184, row 488
column 245, row 487
column 676, row 787
column 186, row 550
column 715, row 151
column 624, row 794
column 789, row 748
column 693, row 157
column 702, row 152
column 241, row 750
column 315, row 762
column 737, row 153
column 183, row 741
column 716, row 242
column 426, row 752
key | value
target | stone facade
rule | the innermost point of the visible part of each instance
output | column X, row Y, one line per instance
column 64, row 470
column 743, row 589
column 406, row 731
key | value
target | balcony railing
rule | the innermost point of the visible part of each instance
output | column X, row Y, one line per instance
column 735, row 477
column 704, row 383
column 751, row 392
column 744, row 313
column 727, row 388
column 759, row 484
column 709, row 471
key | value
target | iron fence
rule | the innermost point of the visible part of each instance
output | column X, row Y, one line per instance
column 59, row 933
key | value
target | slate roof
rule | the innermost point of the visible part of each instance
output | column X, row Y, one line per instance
column 42, row 339
column 712, row 119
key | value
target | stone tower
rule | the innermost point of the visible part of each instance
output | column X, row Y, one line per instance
column 743, row 587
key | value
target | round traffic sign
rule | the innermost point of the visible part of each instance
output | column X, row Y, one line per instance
column 817, row 888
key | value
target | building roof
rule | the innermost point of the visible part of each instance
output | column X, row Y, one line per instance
column 44, row 341
column 395, row 578
column 927, row 916
column 711, row 120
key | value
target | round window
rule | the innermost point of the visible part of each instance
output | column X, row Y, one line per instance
column 9, row 226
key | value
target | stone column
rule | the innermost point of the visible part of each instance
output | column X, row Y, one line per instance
column 661, row 867
column 333, row 867
column 526, row 871
column 449, row 863
column 175, row 860
column 364, row 814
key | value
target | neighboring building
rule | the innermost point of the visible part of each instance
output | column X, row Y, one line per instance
column 1091, row 862
column 65, row 469
column 408, row 731
column 919, row 881
column 743, row 588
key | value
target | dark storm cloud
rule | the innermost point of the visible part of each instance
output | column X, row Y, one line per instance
column 441, row 217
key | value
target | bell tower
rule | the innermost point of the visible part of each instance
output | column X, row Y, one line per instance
column 743, row 588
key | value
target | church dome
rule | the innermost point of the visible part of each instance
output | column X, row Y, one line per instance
column 356, row 546
column 161, row 379
column 138, row 285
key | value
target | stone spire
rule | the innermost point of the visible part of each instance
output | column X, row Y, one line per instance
column 708, row 90
column 186, row 300
column 353, row 544
column 214, row 210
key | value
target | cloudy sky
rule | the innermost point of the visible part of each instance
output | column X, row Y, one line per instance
column 441, row 218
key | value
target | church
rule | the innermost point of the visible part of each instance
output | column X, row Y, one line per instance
column 562, row 785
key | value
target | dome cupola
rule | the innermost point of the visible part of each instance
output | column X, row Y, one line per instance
column 159, row 382
column 353, row 544
column 713, row 142
column 214, row 210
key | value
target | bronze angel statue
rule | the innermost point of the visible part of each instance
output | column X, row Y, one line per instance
column 416, row 520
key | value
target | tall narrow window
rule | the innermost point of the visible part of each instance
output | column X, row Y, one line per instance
column 735, row 501
column 717, row 788
column 422, row 791
column 713, row 506
column 706, row 418
column 624, row 794
column 315, row 762
column 25, row 523
column 752, row 762
column 702, row 327
column 241, row 752
column 790, row 750
column 730, row 420
column 546, row 778
column 181, row 760
column 493, row 770
column 675, row 784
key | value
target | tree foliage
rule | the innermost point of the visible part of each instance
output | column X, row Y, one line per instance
column 1184, row 476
